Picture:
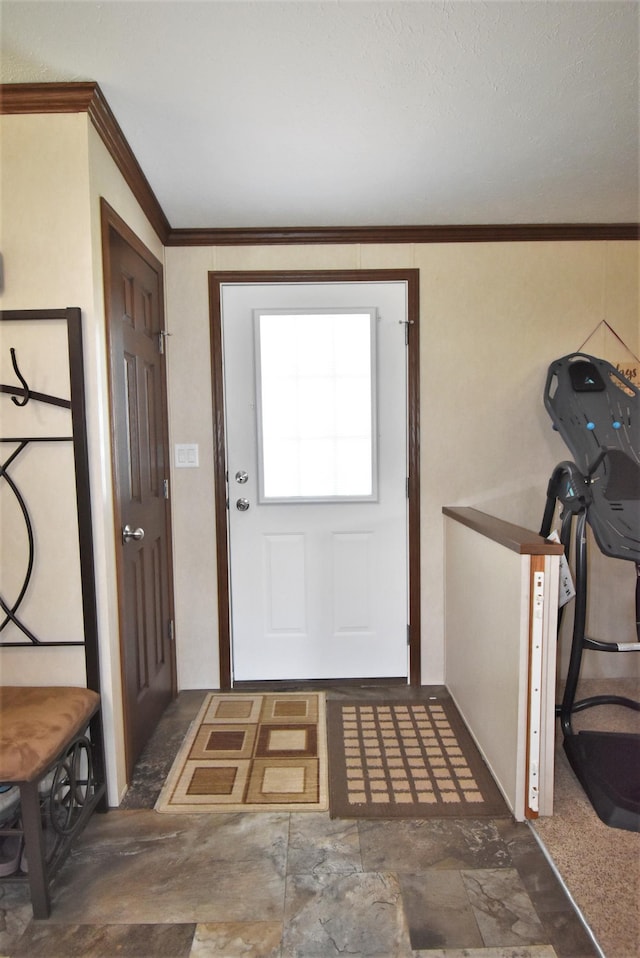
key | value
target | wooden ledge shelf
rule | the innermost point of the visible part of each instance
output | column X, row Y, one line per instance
column 516, row 538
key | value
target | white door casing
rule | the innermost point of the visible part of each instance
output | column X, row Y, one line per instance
column 317, row 589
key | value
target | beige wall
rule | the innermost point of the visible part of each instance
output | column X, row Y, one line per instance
column 55, row 168
column 493, row 316
column 46, row 265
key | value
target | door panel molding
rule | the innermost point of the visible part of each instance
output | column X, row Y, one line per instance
column 216, row 281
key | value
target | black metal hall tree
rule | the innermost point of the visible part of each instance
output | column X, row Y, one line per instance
column 21, row 392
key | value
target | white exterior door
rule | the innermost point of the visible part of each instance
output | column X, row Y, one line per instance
column 316, row 406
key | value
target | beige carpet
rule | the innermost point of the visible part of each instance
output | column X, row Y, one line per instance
column 600, row 865
column 247, row 752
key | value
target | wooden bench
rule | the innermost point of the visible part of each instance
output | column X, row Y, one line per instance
column 43, row 736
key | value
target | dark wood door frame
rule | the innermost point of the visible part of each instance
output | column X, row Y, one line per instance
column 216, row 281
column 112, row 222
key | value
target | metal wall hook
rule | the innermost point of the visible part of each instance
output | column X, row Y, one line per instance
column 27, row 391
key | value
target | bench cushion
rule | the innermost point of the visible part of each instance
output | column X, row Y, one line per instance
column 35, row 725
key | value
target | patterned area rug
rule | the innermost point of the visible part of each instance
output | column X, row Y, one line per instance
column 406, row 760
column 248, row 752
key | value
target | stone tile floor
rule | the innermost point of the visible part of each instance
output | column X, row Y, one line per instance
column 143, row 885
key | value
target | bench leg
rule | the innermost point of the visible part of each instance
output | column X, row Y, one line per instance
column 35, row 849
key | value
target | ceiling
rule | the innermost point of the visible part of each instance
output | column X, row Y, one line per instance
column 303, row 113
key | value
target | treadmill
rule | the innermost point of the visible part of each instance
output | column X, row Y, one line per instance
column 595, row 410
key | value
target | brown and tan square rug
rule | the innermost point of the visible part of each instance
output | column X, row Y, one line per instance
column 247, row 752
column 406, row 760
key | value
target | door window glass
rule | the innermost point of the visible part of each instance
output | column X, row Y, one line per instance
column 315, row 389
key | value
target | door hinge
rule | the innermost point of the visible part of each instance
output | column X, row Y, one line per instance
column 171, row 631
column 161, row 338
column 406, row 323
column 165, row 488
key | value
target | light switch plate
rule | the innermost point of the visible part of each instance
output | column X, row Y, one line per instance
column 186, row 455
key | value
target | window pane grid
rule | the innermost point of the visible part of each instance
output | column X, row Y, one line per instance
column 315, row 390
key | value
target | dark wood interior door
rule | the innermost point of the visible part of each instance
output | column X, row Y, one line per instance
column 135, row 322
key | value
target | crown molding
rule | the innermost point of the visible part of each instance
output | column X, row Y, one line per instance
column 295, row 236
column 46, row 97
column 88, row 98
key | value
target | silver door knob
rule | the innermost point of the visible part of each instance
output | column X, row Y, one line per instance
column 242, row 505
column 128, row 534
